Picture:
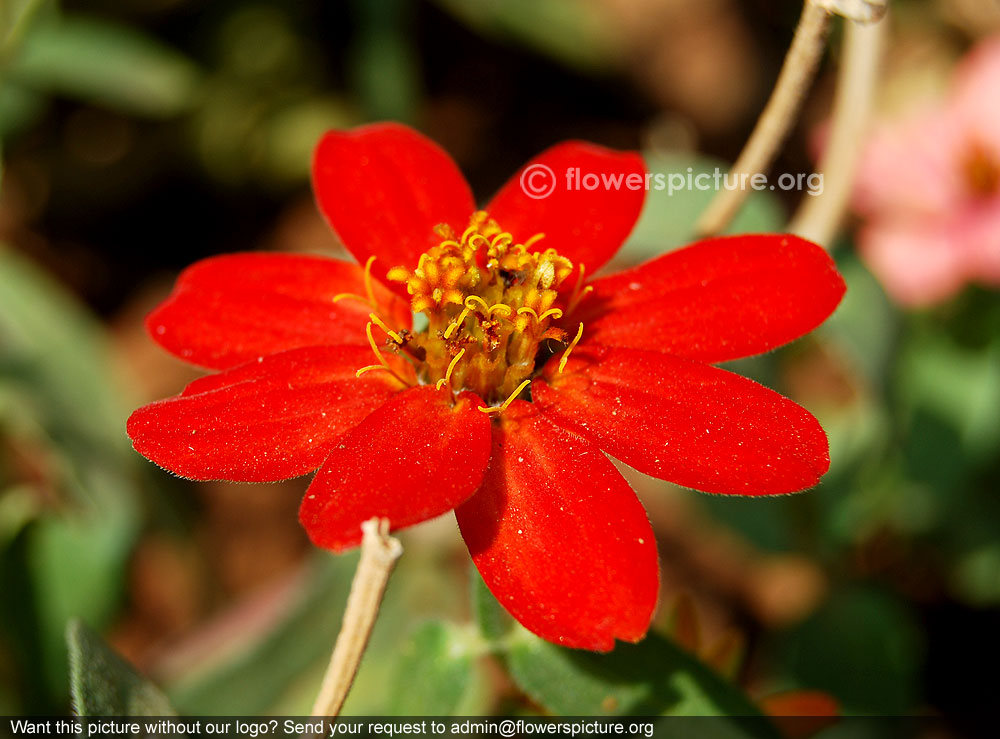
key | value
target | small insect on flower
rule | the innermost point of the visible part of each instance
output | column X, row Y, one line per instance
column 503, row 405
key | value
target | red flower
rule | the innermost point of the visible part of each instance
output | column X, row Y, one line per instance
column 502, row 406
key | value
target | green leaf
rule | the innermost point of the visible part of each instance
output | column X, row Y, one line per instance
column 104, row 684
column 435, row 671
column 108, row 64
column 670, row 211
column 654, row 677
column 494, row 622
column 574, row 33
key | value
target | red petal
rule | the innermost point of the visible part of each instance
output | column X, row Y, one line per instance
column 560, row 538
column 384, row 187
column 415, row 458
column 264, row 421
column 232, row 309
column 717, row 299
column 585, row 225
column 687, row 422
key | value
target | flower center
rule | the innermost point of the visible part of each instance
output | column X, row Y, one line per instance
column 490, row 304
column 982, row 171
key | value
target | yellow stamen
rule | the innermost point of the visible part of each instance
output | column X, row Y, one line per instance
column 510, row 399
column 351, row 296
column 382, row 325
column 451, row 368
column 468, row 232
column 502, row 308
column 383, row 365
column 534, row 240
column 579, row 292
column 554, row 312
column 374, row 346
column 504, row 235
column 526, row 310
column 480, row 237
column 369, row 290
column 476, row 300
column 565, row 356
column 458, row 322
column 371, row 367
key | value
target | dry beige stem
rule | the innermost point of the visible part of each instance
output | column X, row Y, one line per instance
column 819, row 216
column 776, row 119
column 379, row 553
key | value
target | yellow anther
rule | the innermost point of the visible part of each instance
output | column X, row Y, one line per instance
column 502, row 308
column 510, row 399
column 565, row 356
column 398, row 274
column 451, row 367
column 369, row 290
column 534, row 240
column 351, row 296
column 452, row 242
column 555, row 313
column 458, row 322
column 381, row 324
column 528, row 311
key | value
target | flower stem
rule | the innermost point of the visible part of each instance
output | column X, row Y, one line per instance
column 776, row 119
column 379, row 553
column 819, row 217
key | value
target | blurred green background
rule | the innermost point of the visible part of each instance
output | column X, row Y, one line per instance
column 141, row 135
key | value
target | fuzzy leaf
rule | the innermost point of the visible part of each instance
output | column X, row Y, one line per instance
column 104, row 684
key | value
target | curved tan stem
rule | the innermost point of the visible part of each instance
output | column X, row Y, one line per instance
column 379, row 553
column 819, row 217
column 776, row 119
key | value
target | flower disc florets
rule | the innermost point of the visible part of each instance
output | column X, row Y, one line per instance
column 490, row 304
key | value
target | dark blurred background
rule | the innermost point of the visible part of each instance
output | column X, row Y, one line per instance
column 141, row 135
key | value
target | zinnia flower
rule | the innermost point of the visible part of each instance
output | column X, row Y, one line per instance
column 929, row 188
column 503, row 405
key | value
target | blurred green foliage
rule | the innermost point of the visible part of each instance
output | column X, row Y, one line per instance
column 70, row 506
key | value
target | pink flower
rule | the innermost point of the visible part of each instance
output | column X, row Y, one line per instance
column 929, row 188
